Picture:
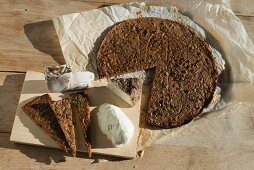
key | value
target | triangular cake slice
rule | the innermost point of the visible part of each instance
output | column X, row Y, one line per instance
column 129, row 89
column 40, row 112
column 80, row 106
column 63, row 113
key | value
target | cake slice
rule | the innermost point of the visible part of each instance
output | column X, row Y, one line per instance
column 129, row 89
column 80, row 106
column 40, row 112
column 63, row 113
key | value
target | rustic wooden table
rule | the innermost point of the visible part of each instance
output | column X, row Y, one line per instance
column 28, row 42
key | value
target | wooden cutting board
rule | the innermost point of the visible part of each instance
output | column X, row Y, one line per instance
column 26, row 131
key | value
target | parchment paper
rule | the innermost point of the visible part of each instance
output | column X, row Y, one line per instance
column 80, row 33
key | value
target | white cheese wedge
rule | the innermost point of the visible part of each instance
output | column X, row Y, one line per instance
column 119, row 92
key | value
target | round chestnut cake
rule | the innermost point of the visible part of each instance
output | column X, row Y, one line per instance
column 185, row 72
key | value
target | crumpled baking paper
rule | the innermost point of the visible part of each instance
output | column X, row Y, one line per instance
column 80, row 35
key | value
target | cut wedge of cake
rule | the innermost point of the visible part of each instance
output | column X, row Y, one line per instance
column 128, row 89
column 80, row 106
column 41, row 113
column 185, row 70
column 63, row 113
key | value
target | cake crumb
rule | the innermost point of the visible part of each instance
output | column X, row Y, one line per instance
column 141, row 153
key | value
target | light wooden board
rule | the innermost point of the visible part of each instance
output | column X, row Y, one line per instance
column 26, row 131
column 243, row 7
column 28, row 39
column 248, row 23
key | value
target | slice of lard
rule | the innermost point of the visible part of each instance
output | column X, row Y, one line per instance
column 62, row 78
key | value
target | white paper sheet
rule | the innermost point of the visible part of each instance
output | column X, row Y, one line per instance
column 80, row 35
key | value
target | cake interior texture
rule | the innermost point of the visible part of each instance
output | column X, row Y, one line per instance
column 40, row 111
column 63, row 113
column 80, row 106
column 185, row 72
column 131, row 87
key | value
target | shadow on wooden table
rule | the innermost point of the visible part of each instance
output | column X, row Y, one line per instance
column 9, row 96
column 43, row 37
column 49, row 155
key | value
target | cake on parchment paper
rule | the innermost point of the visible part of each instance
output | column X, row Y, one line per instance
column 185, row 71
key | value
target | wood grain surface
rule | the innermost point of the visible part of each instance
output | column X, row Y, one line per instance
column 10, row 89
column 28, row 42
column 28, row 39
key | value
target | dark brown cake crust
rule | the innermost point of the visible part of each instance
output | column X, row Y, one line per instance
column 185, row 71
column 131, row 86
column 40, row 112
column 80, row 106
column 63, row 113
